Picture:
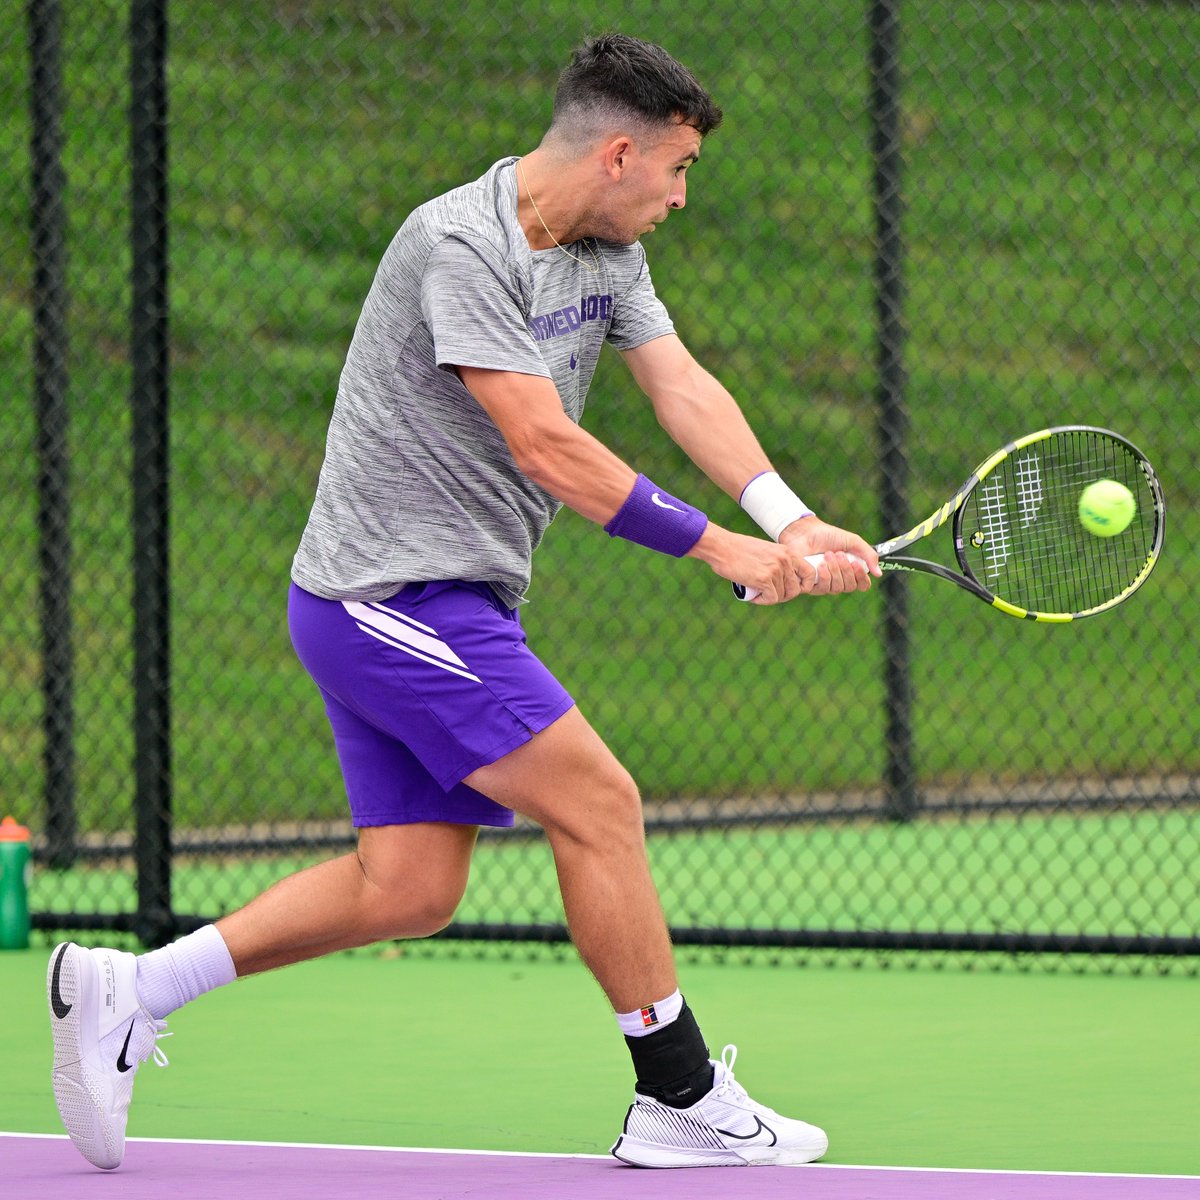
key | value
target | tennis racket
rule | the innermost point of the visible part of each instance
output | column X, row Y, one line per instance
column 1018, row 540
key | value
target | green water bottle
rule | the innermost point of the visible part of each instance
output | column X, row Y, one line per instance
column 15, row 872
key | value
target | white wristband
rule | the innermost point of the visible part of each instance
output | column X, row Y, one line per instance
column 772, row 504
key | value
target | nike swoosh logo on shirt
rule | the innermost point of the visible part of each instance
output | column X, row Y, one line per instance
column 123, row 1064
column 657, row 499
column 57, row 1003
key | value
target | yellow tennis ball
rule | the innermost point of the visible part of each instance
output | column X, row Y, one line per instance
column 1106, row 507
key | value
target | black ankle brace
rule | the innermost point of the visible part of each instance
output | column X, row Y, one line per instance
column 672, row 1064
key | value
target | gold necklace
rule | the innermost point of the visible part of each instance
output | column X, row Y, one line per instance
column 595, row 270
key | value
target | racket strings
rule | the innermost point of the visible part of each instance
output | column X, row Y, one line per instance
column 1022, row 536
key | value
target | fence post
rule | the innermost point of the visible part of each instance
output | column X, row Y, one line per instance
column 48, row 220
column 151, row 496
column 901, row 800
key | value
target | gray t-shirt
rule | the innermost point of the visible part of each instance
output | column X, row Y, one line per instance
column 418, row 483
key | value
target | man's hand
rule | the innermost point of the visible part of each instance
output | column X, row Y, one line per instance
column 780, row 572
column 839, row 572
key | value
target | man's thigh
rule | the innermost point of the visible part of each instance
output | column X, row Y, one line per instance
column 565, row 776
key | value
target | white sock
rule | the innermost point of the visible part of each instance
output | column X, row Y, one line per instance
column 168, row 978
column 652, row 1017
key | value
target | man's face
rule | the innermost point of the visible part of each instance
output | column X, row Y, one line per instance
column 653, row 182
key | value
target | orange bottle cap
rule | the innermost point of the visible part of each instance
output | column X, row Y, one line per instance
column 10, row 831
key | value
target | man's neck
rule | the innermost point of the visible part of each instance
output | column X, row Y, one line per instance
column 546, row 203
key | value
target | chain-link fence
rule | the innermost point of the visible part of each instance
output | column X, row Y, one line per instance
column 922, row 231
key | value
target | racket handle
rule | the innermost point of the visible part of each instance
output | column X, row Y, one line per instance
column 742, row 592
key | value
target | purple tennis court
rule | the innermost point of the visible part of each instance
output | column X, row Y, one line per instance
column 39, row 1166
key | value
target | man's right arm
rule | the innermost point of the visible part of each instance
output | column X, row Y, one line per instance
column 578, row 469
column 547, row 445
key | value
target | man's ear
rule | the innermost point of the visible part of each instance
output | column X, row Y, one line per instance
column 617, row 154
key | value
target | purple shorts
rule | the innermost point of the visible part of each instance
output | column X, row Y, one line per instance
column 421, row 689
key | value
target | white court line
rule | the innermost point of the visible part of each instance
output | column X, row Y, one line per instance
column 604, row 1157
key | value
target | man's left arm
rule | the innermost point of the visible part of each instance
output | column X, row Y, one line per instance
column 705, row 421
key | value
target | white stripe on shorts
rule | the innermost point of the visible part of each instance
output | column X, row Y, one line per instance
column 388, row 627
column 399, row 616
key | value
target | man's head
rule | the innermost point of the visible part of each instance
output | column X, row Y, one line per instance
column 632, row 118
column 615, row 81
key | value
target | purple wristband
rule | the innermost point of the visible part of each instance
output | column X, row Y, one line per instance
column 657, row 520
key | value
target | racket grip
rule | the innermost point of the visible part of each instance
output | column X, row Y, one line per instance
column 742, row 592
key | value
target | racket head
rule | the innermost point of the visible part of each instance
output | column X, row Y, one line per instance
column 1018, row 536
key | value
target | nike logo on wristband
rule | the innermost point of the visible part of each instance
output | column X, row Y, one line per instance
column 655, row 498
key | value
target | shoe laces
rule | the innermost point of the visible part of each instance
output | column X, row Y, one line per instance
column 732, row 1092
column 160, row 1031
column 728, row 1083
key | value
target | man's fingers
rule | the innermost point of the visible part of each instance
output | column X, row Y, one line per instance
column 841, row 572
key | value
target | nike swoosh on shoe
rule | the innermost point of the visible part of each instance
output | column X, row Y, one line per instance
column 57, row 1003
column 745, row 1137
column 123, row 1064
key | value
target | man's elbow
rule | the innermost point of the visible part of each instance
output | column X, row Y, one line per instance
column 538, row 456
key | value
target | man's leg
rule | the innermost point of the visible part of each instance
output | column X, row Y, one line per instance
column 568, row 781
column 688, row 1111
column 107, row 1007
column 404, row 881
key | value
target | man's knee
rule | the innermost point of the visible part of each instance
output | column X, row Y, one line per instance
column 414, row 908
column 607, row 812
column 567, row 780
column 429, row 916
column 623, row 800
column 414, row 894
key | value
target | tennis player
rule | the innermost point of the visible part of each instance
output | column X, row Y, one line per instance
column 454, row 441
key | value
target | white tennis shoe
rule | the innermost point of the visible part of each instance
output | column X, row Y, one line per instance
column 723, row 1129
column 102, row 1034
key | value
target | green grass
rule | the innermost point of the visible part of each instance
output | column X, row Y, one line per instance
column 908, row 1068
column 1106, row 874
column 1053, row 211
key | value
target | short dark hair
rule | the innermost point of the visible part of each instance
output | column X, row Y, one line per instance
column 624, row 76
